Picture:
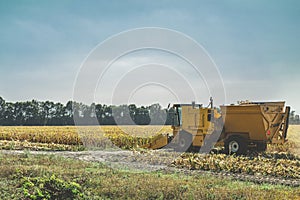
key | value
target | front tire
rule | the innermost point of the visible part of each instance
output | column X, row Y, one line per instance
column 236, row 145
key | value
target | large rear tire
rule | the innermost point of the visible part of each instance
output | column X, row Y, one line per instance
column 235, row 145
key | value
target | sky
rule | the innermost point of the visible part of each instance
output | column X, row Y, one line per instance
column 254, row 45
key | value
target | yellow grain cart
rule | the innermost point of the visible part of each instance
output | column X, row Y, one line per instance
column 254, row 124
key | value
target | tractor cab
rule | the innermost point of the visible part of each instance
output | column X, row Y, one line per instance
column 192, row 123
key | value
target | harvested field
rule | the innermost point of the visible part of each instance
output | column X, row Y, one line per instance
column 279, row 165
column 66, row 137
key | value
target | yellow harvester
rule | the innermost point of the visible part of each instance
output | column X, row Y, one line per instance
column 236, row 127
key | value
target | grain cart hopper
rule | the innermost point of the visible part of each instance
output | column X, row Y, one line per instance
column 237, row 127
column 254, row 124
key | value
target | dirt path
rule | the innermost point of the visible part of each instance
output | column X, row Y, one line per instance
column 158, row 160
column 134, row 160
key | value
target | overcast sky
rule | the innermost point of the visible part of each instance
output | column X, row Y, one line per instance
column 254, row 44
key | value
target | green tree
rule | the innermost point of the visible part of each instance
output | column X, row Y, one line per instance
column 142, row 116
column 2, row 107
column 157, row 115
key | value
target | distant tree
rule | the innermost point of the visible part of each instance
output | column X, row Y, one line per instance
column 297, row 119
column 68, row 114
column 19, row 113
column 123, row 115
column 132, row 111
column 294, row 119
column 57, row 114
column 142, row 116
column 108, row 118
column 31, row 114
column 8, row 111
column 2, row 107
column 157, row 115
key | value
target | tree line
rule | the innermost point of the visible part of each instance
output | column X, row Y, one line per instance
column 42, row 113
column 47, row 113
column 294, row 119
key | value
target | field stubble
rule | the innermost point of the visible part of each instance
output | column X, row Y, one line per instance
column 279, row 161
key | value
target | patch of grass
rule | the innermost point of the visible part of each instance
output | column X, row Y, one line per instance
column 97, row 181
column 50, row 188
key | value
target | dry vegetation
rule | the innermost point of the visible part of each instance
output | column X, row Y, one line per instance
column 68, row 137
column 25, row 176
column 294, row 139
column 126, row 137
column 276, row 165
column 293, row 144
column 29, row 176
column 279, row 160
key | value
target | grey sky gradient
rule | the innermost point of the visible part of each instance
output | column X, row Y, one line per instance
column 255, row 44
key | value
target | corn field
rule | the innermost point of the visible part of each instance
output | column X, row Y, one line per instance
column 125, row 137
column 267, row 164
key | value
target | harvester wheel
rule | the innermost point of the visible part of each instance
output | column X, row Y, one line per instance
column 184, row 142
column 235, row 144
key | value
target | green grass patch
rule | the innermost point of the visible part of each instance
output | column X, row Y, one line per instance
column 30, row 176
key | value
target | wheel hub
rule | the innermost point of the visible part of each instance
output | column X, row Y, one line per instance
column 233, row 146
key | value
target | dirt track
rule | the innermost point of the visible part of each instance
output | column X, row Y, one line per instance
column 158, row 160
